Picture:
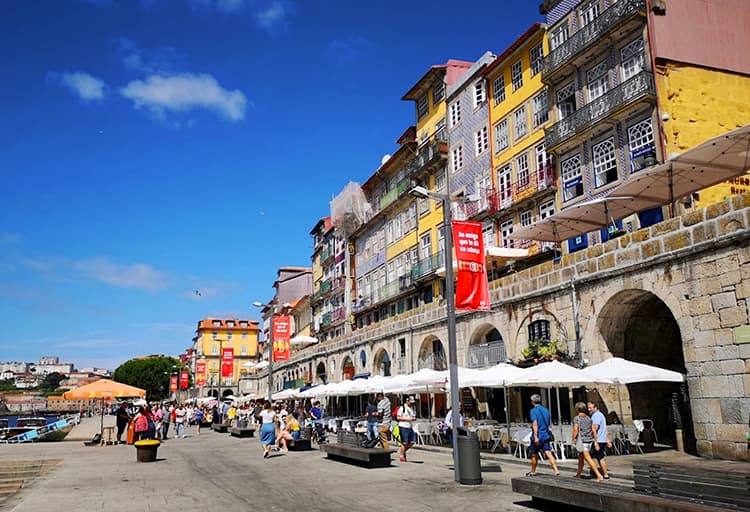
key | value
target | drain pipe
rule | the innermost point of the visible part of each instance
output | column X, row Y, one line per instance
column 576, row 324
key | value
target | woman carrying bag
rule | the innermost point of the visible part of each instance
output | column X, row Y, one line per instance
column 583, row 438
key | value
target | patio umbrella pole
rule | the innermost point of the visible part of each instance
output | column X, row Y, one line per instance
column 559, row 416
column 622, row 416
column 101, row 421
column 507, row 415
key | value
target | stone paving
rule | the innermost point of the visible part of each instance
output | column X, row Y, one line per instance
column 219, row 472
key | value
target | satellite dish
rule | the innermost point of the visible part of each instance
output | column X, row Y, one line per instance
column 385, row 158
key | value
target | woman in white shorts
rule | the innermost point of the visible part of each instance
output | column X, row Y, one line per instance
column 583, row 438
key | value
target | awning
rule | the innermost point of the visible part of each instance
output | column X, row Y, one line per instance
column 364, row 375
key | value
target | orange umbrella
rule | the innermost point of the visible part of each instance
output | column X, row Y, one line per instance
column 105, row 389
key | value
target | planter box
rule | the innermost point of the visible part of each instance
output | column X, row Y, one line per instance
column 145, row 450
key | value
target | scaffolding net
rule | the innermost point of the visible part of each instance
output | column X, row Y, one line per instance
column 350, row 209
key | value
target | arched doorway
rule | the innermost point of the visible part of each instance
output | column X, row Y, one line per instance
column 638, row 326
column 432, row 355
column 320, row 372
column 381, row 364
column 347, row 369
column 486, row 348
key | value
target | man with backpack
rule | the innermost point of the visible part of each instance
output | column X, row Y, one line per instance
column 406, row 417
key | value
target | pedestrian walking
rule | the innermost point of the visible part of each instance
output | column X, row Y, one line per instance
column 384, row 414
column 267, row 419
column 199, row 414
column 179, row 421
column 601, row 437
column 122, row 419
column 583, row 438
column 540, row 435
column 406, row 416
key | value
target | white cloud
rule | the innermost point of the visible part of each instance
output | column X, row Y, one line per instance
column 185, row 92
column 271, row 15
column 87, row 87
column 136, row 275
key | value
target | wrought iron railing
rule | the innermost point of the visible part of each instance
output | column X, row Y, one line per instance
column 434, row 361
column 427, row 266
column 592, row 32
column 633, row 89
column 427, row 154
column 486, row 354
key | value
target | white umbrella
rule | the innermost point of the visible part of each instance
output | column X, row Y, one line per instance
column 429, row 377
column 303, row 340
column 496, row 376
column 553, row 229
column 605, row 210
column 622, row 371
column 261, row 365
column 284, row 394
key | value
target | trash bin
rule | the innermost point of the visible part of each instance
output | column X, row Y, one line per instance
column 469, row 468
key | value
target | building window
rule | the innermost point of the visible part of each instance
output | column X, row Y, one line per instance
column 522, row 171
column 597, row 80
column 458, row 158
column 425, row 244
column 502, row 138
column 438, row 92
column 243, row 350
column 488, row 233
column 506, row 229
column 588, row 12
column 536, row 57
column 566, row 100
column 439, row 181
column 632, row 58
column 526, row 218
column 516, row 75
column 547, row 209
column 229, row 336
column 540, row 109
column 504, row 185
column 558, row 36
column 641, row 138
column 604, row 156
column 422, row 106
column 539, row 331
column 482, row 142
column 479, row 93
column 498, row 89
column 244, row 335
column 455, row 113
column 520, row 127
column 214, row 350
column 214, row 335
column 440, row 129
column 570, row 169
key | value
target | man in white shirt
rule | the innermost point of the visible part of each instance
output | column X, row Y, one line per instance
column 179, row 421
column 406, row 416
column 449, row 424
column 384, row 415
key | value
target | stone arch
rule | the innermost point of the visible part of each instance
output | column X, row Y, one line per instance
column 321, row 375
column 558, row 332
column 639, row 326
column 381, row 363
column 432, row 354
column 347, row 368
column 486, row 347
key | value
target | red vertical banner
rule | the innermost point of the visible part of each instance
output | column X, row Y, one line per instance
column 200, row 374
column 472, row 289
column 173, row 383
column 227, row 362
column 281, row 329
column 184, row 379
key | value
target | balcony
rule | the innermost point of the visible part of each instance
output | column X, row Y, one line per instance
column 574, row 47
column 434, row 361
column 486, row 354
column 427, row 266
column 633, row 90
column 401, row 189
column 486, row 205
column 428, row 155
column 325, row 254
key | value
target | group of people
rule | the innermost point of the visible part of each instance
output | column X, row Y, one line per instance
column 589, row 436
column 153, row 422
column 278, row 425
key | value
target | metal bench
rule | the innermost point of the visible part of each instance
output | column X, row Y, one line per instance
column 242, row 432
column 299, row 445
column 219, row 427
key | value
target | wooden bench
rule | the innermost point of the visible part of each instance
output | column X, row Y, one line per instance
column 602, row 496
column 367, row 457
column 242, row 432
column 219, row 427
column 713, row 483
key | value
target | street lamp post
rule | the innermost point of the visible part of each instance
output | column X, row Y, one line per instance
column 274, row 309
column 450, row 310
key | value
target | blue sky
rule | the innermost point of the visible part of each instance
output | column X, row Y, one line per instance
column 152, row 148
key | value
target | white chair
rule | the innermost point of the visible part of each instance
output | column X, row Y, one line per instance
column 497, row 437
column 419, row 431
column 522, row 440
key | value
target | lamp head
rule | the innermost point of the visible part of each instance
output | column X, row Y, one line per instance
column 420, row 192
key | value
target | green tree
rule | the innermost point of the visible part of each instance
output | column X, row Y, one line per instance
column 151, row 374
column 7, row 385
column 51, row 381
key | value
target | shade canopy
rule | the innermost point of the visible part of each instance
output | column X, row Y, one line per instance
column 106, row 389
column 604, row 211
column 622, row 371
column 554, row 229
column 303, row 340
column 493, row 377
column 718, row 159
column 554, row 374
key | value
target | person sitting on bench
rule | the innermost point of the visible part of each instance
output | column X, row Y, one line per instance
column 290, row 432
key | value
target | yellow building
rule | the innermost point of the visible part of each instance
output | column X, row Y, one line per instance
column 214, row 334
column 523, row 178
